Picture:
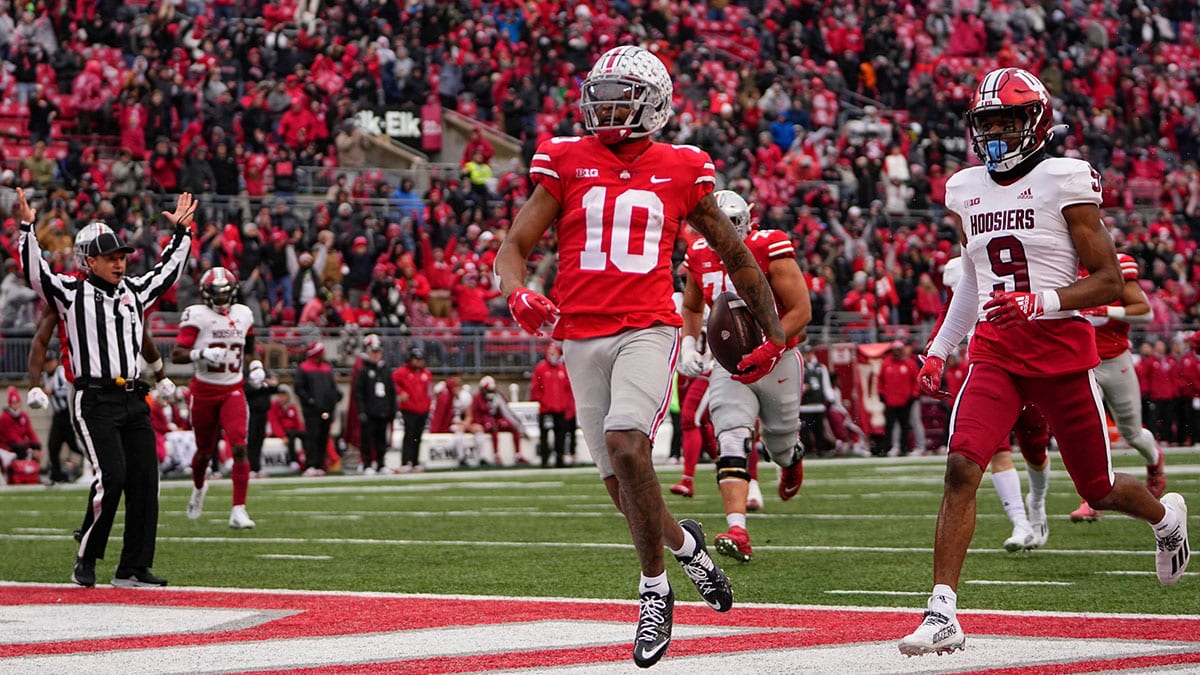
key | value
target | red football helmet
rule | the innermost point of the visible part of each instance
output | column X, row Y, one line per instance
column 1022, row 103
column 218, row 287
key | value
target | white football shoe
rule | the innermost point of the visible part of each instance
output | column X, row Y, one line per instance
column 1173, row 554
column 937, row 634
column 754, row 498
column 1037, row 522
column 195, row 505
column 1021, row 540
column 239, row 519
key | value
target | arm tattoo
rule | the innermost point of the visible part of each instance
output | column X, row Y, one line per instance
column 749, row 280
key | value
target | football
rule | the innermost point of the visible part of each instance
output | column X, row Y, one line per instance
column 732, row 331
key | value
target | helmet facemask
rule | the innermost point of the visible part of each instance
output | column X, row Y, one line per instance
column 737, row 210
column 1016, row 139
column 217, row 290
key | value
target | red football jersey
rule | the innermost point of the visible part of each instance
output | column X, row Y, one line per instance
column 1112, row 336
column 706, row 269
column 617, row 226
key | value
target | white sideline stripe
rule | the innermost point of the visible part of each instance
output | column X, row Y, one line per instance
column 1001, row 582
column 310, row 652
column 983, row 653
column 865, row 592
column 609, row 601
column 286, row 556
column 1140, row 573
column 570, row 544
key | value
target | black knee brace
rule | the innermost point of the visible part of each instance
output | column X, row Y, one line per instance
column 732, row 468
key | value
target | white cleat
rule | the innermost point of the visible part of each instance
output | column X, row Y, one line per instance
column 754, row 498
column 1173, row 554
column 195, row 505
column 239, row 519
column 937, row 634
column 1038, row 522
column 1021, row 540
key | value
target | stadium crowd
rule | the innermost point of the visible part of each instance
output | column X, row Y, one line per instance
column 841, row 122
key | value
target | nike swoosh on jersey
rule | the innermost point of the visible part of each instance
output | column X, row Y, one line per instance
column 783, row 380
column 656, row 180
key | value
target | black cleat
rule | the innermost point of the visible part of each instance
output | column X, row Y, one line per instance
column 655, row 618
column 140, row 577
column 712, row 583
column 85, row 572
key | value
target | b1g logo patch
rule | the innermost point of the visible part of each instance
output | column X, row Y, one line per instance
column 587, row 173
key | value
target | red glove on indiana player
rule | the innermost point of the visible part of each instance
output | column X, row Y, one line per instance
column 759, row 362
column 533, row 311
column 930, row 377
column 1011, row 309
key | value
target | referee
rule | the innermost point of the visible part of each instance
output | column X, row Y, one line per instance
column 104, row 314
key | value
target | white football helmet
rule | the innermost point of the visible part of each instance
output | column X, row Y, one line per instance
column 218, row 289
column 630, row 80
column 736, row 208
column 83, row 239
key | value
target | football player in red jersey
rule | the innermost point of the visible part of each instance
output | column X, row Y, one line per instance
column 1118, row 381
column 735, row 404
column 216, row 335
column 1027, row 222
column 618, row 200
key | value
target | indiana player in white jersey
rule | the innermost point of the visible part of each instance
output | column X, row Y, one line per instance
column 1118, row 381
column 617, row 200
column 215, row 335
column 733, row 404
column 1027, row 222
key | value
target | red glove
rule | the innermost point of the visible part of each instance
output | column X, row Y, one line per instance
column 1012, row 309
column 1102, row 310
column 930, row 377
column 533, row 311
column 759, row 362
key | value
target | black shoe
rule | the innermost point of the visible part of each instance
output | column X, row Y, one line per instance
column 712, row 583
column 77, row 535
column 655, row 618
column 85, row 572
column 140, row 577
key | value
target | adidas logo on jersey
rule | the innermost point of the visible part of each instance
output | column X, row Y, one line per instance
column 1027, row 194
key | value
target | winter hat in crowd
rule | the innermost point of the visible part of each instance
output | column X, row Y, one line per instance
column 315, row 349
column 14, row 398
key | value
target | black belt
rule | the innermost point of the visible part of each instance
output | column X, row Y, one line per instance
column 131, row 386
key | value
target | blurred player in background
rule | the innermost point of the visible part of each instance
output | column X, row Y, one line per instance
column 1118, row 381
column 736, row 404
column 216, row 334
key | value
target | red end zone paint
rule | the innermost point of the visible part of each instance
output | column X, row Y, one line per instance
column 331, row 615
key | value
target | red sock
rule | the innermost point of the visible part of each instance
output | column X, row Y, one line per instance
column 199, row 469
column 241, row 480
column 691, row 451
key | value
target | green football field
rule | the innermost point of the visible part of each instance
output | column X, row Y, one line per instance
column 859, row 533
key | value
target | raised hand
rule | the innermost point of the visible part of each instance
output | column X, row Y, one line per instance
column 185, row 211
column 22, row 210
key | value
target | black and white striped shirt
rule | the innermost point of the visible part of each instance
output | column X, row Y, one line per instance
column 104, row 322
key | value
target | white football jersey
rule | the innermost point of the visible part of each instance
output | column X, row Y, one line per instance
column 1016, row 234
column 214, row 329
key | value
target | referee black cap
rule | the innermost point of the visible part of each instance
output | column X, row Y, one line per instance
column 105, row 244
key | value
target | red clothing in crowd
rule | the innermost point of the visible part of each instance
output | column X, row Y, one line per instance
column 471, row 301
column 897, row 380
column 1189, row 369
column 1154, row 377
column 16, row 433
column 550, row 388
column 414, row 389
column 284, row 419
